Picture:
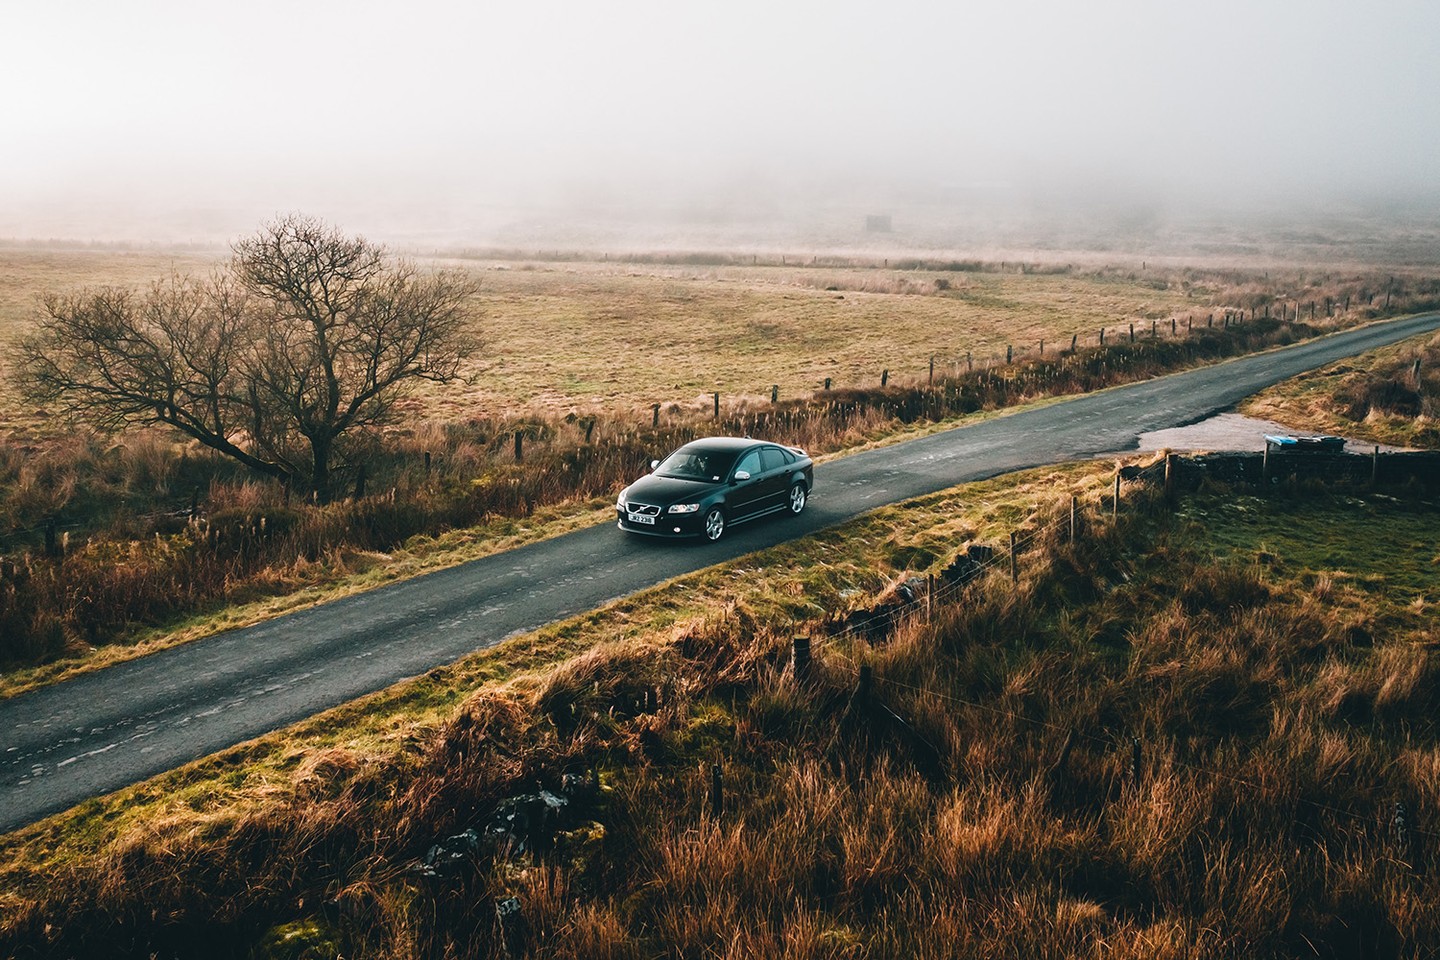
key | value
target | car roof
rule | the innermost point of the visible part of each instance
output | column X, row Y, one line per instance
column 726, row 443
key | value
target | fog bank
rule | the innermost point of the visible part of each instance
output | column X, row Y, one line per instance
column 644, row 123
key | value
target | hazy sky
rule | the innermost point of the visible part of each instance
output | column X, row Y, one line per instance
column 260, row 106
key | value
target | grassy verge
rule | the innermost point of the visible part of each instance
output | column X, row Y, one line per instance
column 1282, row 692
column 342, row 573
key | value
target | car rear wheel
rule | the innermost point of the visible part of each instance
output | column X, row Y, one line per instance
column 797, row 498
column 714, row 524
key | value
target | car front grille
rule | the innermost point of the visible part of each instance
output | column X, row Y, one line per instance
column 644, row 509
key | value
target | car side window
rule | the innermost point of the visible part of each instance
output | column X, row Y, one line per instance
column 749, row 463
column 772, row 458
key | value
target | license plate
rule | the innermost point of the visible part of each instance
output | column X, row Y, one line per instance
column 641, row 518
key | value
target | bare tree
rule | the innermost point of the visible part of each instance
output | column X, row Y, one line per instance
column 304, row 339
column 341, row 329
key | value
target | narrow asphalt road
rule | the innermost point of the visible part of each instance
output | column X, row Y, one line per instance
column 102, row 731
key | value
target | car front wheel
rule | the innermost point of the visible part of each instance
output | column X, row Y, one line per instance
column 797, row 498
column 714, row 524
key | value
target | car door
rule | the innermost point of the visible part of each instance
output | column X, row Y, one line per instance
column 746, row 496
column 774, row 477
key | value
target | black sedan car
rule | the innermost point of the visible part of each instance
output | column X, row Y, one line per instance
column 706, row 485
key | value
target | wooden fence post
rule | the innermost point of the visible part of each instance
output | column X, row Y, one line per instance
column 800, row 657
column 862, row 687
column 827, row 383
column 884, row 377
column 969, row 365
column 717, row 405
column 717, row 791
column 1009, row 353
column 519, row 445
column 1132, row 333
column 1074, row 339
column 1102, row 336
column 654, row 414
column 932, row 370
column 427, row 463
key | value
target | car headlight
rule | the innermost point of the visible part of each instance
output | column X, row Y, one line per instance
column 684, row 507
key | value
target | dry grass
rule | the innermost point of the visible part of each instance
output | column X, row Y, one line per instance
column 1276, row 737
column 613, row 337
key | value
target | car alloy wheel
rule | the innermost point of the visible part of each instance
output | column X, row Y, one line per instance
column 797, row 498
column 714, row 523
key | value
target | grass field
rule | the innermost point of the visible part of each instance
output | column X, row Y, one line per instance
column 593, row 338
column 1280, row 687
column 613, row 336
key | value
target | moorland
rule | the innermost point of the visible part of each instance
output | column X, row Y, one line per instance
column 1196, row 729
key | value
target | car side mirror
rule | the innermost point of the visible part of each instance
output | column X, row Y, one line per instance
column 654, row 464
column 742, row 475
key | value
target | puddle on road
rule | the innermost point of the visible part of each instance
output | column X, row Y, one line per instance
column 1231, row 431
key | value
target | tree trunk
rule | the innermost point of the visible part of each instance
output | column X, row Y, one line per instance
column 320, row 474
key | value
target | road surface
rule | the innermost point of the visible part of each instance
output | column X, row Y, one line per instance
column 71, row 741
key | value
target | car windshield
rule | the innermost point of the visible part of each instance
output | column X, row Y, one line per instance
column 697, row 463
